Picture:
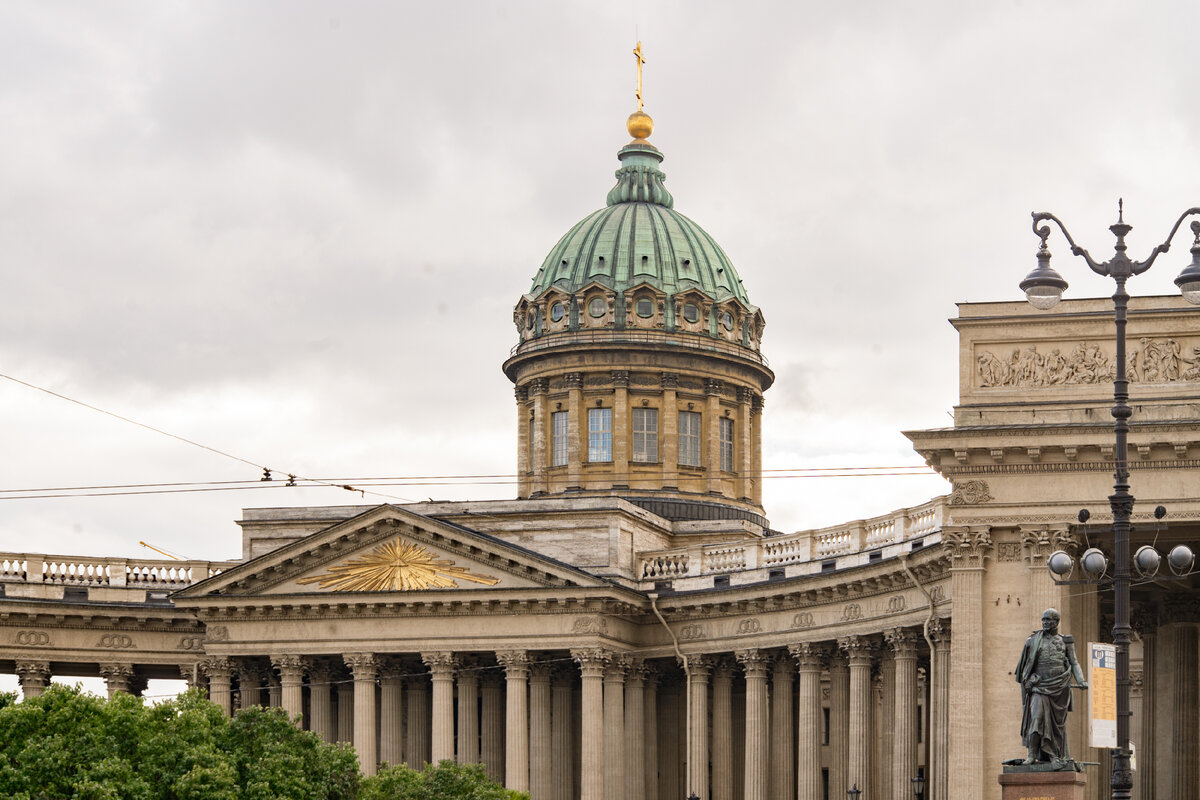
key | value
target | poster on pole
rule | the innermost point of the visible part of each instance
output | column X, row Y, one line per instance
column 1102, row 696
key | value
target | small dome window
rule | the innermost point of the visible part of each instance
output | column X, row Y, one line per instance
column 597, row 307
column 557, row 312
column 727, row 321
column 645, row 307
column 691, row 313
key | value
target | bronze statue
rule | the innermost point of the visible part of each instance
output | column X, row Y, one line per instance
column 1046, row 671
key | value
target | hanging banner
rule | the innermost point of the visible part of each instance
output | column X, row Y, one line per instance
column 1102, row 694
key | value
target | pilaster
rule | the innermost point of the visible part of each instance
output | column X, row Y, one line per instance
column 576, row 430
column 670, row 431
column 620, row 432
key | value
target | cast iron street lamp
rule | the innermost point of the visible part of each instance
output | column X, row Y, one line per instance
column 1044, row 287
column 919, row 786
column 853, row 793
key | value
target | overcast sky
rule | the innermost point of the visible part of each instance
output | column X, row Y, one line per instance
column 295, row 231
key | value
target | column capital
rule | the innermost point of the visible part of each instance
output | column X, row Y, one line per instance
column 782, row 668
column 809, row 656
column 699, row 665
column 902, row 641
column 251, row 673
column 362, row 665
column 859, row 650
column 592, row 661
column 670, row 380
column 573, row 380
column 540, row 672
column 1039, row 541
column 33, row 671
column 291, row 667
column 217, row 667
column 744, row 395
column 441, row 664
column 116, row 671
column 635, row 672
column 723, row 667
column 967, row 546
column 521, row 393
column 1144, row 619
column 188, row 673
column 755, row 662
column 620, row 378
column 539, row 386
column 389, row 667
column 713, row 386
column 939, row 631
column 515, row 663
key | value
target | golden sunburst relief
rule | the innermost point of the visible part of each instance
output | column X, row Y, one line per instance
column 395, row 566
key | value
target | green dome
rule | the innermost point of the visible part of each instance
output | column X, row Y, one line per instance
column 640, row 239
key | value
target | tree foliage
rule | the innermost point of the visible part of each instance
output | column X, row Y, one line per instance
column 443, row 781
column 68, row 745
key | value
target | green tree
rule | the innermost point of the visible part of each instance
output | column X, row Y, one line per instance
column 443, row 781
column 70, row 745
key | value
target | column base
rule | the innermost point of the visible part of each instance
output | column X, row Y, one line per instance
column 1027, row 785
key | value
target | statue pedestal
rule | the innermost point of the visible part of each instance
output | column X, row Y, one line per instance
column 1042, row 785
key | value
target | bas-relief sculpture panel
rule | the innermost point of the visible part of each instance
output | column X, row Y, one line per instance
column 1147, row 361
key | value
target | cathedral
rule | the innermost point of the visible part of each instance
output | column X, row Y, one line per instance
column 630, row 625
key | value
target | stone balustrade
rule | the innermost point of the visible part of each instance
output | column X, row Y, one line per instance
column 803, row 553
column 42, row 575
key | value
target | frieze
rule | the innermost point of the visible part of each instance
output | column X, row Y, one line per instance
column 895, row 604
column 217, row 633
column 851, row 611
column 937, row 594
column 1147, row 361
column 195, row 643
column 32, row 638
column 691, row 632
column 596, row 625
column 803, row 619
column 1008, row 551
column 749, row 625
column 116, row 641
column 971, row 493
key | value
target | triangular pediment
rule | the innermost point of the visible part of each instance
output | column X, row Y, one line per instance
column 389, row 550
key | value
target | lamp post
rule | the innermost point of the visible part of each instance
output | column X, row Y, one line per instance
column 1044, row 287
column 854, row 793
column 918, row 784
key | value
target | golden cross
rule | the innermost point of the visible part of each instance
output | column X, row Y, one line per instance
column 641, row 59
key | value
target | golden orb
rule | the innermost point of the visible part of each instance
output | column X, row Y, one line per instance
column 639, row 124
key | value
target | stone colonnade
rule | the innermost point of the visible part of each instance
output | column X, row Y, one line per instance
column 595, row 724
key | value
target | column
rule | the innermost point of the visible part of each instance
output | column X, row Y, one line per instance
column 516, row 719
column 887, row 722
column 614, row 729
column 783, row 772
column 672, row 758
column 391, row 711
column 541, row 455
column 1146, row 624
column 722, row 729
column 291, row 682
column 275, row 692
column 699, row 667
column 362, row 666
column 669, row 454
column 345, row 710
column 191, row 675
column 756, row 409
column 744, row 453
column 650, row 715
column 34, row 676
column 524, row 440
column 1183, row 648
column 576, row 429
column 562, row 734
column 903, row 643
column 620, row 424
column 968, row 549
column 938, row 786
column 250, row 681
column 712, row 431
column 491, row 690
column 592, row 664
column 417, row 744
column 320, row 701
column 117, row 678
column 635, row 731
column 810, row 719
column 468, row 714
column 540, row 776
column 858, row 763
column 839, row 726
column 219, row 672
column 441, row 669
column 755, row 663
